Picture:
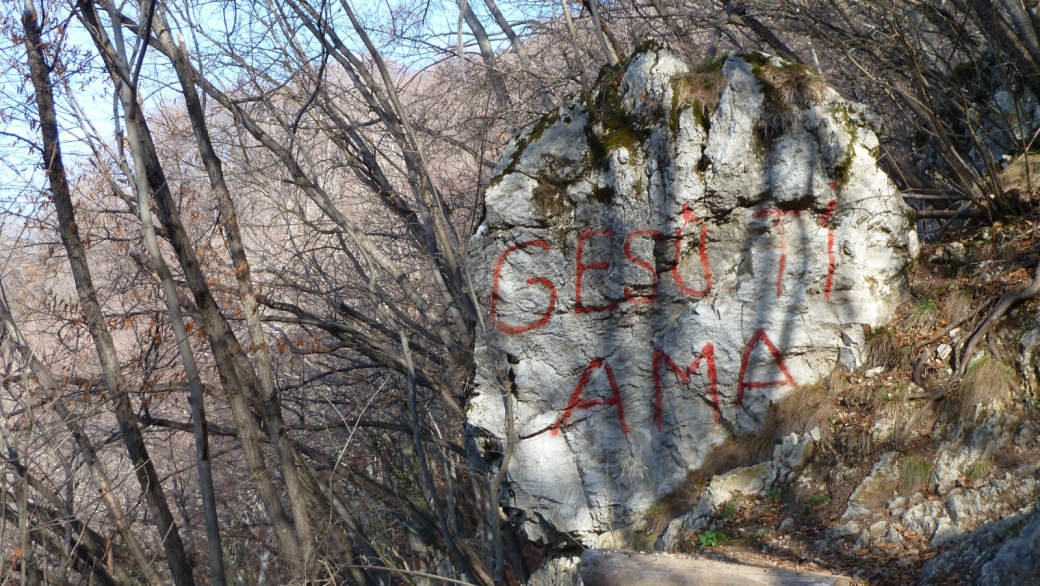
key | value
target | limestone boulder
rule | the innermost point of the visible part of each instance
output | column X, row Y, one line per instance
column 661, row 260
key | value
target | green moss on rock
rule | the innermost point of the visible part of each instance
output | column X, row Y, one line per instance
column 648, row 46
column 550, row 199
column 843, row 170
column 610, row 127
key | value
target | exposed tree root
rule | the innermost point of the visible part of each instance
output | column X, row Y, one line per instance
column 963, row 354
column 955, row 324
column 1008, row 300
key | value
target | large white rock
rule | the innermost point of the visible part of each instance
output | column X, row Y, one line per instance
column 651, row 282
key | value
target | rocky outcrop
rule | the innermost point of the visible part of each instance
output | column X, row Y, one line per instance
column 993, row 521
column 997, row 554
column 788, row 457
column 558, row 571
column 953, row 507
column 656, row 269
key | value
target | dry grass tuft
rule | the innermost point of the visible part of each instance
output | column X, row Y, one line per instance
column 698, row 91
column 790, row 89
column 730, row 455
column 913, row 474
column 949, row 410
column 987, row 381
column 1022, row 174
column 658, row 517
column 737, row 453
column 796, row 86
column 924, row 315
column 883, row 349
column 838, row 382
column 888, row 401
column 979, row 470
column 856, row 442
column 678, row 502
column 858, row 395
column 703, row 86
column 958, row 304
column 806, row 407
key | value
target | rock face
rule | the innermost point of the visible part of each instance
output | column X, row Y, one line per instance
column 999, row 553
column 654, row 272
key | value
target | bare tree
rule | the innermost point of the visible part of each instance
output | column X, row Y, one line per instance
column 264, row 269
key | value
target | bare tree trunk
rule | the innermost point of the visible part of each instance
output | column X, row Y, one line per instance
column 585, row 85
column 118, row 388
column 507, row 28
column 487, row 53
column 229, row 219
column 600, row 27
column 762, row 31
column 191, row 370
column 226, row 351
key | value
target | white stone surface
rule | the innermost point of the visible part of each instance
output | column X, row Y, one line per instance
column 588, row 460
column 883, row 477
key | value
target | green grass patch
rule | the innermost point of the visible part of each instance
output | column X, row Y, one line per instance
column 814, row 501
column 979, row 470
column 727, row 511
column 712, row 539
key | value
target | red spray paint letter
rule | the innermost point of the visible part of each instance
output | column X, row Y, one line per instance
column 579, row 306
column 643, row 263
column 825, row 221
column 742, row 384
column 688, row 217
column 778, row 215
column 576, row 401
column 708, row 355
column 497, row 275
